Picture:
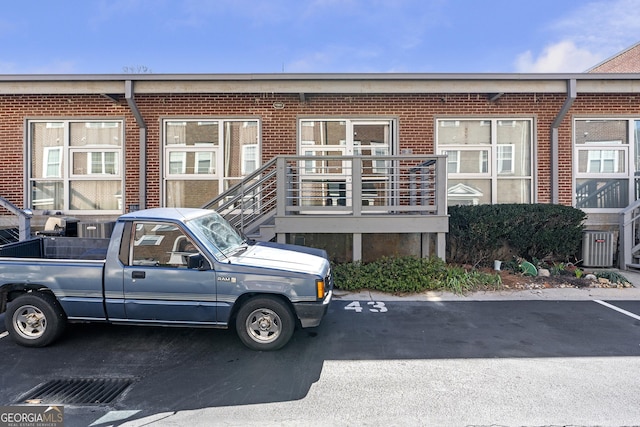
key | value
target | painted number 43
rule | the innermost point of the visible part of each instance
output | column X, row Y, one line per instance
column 374, row 306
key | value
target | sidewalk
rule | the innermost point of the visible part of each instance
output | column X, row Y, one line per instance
column 552, row 294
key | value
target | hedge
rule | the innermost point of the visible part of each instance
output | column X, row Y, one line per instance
column 479, row 234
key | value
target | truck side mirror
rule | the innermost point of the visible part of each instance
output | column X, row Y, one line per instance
column 197, row 261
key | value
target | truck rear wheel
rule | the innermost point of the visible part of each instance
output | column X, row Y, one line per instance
column 34, row 319
column 265, row 323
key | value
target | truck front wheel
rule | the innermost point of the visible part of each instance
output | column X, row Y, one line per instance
column 34, row 319
column 265, row 323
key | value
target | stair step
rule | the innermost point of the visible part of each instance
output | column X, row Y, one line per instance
column 264, row 233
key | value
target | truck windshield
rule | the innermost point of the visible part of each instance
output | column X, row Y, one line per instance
column 217, row 234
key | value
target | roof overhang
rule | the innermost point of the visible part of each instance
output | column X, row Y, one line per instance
column 305, row 84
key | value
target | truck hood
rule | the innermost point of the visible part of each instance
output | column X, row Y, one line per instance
column 281, row 257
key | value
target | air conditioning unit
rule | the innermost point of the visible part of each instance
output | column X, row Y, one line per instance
column 597, row 249
column 96, row 229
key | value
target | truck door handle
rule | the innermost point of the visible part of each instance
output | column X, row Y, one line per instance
column 137, row 275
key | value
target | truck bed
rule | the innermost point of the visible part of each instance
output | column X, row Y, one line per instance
column 77, row 284
column 47, row 247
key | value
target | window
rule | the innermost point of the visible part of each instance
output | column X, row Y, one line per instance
column 177, row 162
column 603, row 163
column 102, row 162
column 375, row 148
column 326, row 182
column 204, row 163
column 453, row 161
column 489, row 160
column 505, row 158
column 75, row 166
column 249, row 158
column 203, row 158
column 53, row 162
column 160, row 245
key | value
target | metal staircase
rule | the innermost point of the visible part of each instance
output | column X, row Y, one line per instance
column 629, row 256
column 250, row 205
column 341, row 194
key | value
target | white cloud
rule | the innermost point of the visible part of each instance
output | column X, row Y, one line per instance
column 562, row 57
column 586, row 37
column 602, row 25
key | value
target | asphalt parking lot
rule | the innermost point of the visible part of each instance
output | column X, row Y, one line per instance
column 176, row 376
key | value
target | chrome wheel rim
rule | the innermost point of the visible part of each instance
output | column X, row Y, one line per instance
column 263, row 325
column 30, row 322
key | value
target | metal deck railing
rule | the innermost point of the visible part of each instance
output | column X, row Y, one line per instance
column 341, row 194
column 629, row 245
column 15, row 225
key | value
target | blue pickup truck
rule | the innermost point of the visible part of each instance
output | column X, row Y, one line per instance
column 168, row 267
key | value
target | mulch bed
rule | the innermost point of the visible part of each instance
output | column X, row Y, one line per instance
column 512, row 280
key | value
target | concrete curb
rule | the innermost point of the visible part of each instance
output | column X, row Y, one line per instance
column 551, row 294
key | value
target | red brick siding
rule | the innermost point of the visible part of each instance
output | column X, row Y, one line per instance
column 626, row 62
column 416, row 114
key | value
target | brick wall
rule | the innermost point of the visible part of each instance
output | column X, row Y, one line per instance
column 628, row 61
column 416, row 114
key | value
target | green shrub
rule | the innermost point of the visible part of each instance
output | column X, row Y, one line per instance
column 411, row 275
column 479, row 234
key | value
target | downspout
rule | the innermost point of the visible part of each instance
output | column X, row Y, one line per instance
column 128, row 93
column 555, row 162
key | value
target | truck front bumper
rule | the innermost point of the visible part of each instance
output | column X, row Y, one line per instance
column 311, row 313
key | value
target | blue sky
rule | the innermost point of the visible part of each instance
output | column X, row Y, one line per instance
column 315, row 36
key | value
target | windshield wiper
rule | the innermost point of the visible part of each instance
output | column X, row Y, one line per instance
column 241, row 248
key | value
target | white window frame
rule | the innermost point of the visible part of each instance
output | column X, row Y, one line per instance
column 101, row 124
column 491, row 156
column 602, row 158
column 453, row 160
column 484, row 165
column 501, row 157
column 48, row 163
column 204, row 156
column 603, row 148
column 176, row 160
column 329, row 173
column 629, row 169
column 249, row 155
column 65, row 174
column 377, row 149
column 103, row 162
column 217, row 170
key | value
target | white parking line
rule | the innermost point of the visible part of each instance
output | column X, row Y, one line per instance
column 4, row 334
column 619, row 310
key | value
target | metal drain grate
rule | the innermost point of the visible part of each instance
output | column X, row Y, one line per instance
column 78, row 391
